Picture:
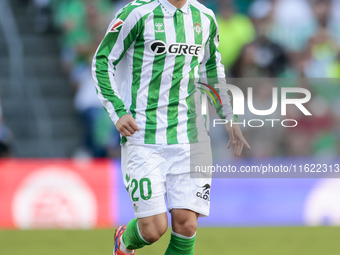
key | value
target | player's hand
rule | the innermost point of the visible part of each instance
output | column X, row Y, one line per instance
column 127, row 125
column 236, row 138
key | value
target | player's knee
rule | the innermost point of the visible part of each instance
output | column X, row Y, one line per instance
column 186, row 227
column 153, row 233
column 189, row 228
column 152, row 236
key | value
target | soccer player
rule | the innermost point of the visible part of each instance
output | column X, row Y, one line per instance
column 145, row 71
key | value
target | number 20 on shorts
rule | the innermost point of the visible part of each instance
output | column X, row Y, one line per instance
column 144, row 186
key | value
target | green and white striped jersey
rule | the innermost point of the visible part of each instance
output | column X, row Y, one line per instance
column 146, row 66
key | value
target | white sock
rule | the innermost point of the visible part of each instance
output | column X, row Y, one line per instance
column 123, row 248
column 182, row 236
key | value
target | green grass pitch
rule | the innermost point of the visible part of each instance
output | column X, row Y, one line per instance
column 233, row 241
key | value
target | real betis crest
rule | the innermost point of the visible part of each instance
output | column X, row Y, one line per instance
column 135, row 207
column 198, row 29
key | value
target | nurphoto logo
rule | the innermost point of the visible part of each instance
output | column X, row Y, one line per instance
column 239, row 104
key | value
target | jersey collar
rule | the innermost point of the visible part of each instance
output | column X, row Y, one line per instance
column 172, row 9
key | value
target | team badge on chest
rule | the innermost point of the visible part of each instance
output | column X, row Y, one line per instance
column 198, row 29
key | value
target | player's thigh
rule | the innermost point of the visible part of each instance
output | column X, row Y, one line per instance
column 185, row 190
column 144, row 178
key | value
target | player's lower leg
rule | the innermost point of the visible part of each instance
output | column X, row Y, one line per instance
column 128, row 239
column 132, row 238
column 180, row 244
column 141, row 232
column 183, row 236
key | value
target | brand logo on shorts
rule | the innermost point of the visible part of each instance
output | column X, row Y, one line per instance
column 205, row 194
column 160, row 47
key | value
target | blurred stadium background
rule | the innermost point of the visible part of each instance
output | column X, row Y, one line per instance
column 61, row 168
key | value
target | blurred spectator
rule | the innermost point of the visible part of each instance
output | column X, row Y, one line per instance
column 327, row 15
column 242, row 6
column 236, row 30
column 89, row 108
column 261, row 58
column 296, row 21
column 293, row 38
column 5, row 137
column 293, row 23
column 264, row 140
column 321, row 53
column 43, row 15
column 318, row 129
column 333, row 70
column 82, row 23
column 100, row 136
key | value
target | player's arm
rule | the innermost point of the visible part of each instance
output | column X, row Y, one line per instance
column 120, row 35
column 213, row 72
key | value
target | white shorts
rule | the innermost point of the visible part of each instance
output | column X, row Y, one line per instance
column 152, row 171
